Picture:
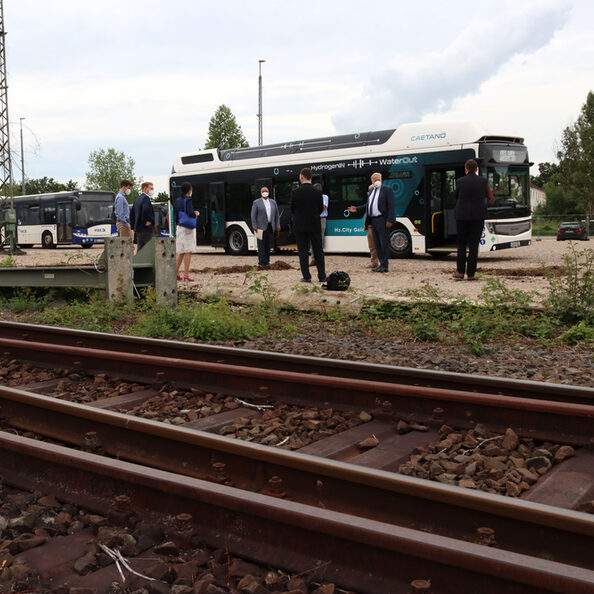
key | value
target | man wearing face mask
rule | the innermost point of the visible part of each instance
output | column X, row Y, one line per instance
column 379, row 213
column 142, row 216
column 122, row 209
column 265, row 218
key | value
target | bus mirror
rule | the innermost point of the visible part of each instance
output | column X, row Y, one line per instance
column 76, row 203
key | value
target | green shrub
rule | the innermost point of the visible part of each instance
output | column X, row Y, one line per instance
column 581, row 332
column 571, row 296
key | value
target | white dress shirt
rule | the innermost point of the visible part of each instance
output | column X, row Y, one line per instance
column 373, row 203
column 268, row 208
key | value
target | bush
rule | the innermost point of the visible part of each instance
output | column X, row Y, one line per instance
column 203, row 321
column 571, row 296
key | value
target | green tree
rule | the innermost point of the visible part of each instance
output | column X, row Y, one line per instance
column 161, row 197
column 107, row 168
column 576, row 157
column 224, row 131
column 42, row 185
column 545, row 173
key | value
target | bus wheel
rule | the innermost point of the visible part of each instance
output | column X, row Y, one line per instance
column 237, row 244
column 47, row 241
column 400, row 243
column 86, row 245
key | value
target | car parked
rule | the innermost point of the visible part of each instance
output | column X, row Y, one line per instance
column 573, row 231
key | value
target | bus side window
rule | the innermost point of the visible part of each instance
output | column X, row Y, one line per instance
column 49, row 215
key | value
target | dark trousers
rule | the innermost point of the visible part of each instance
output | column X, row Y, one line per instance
column 469, row 236
column 380, row 238
column 303, row 241
column 264, row 246
column 142, row 238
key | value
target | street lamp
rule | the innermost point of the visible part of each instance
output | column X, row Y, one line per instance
column 260, row 131
column 22, row 159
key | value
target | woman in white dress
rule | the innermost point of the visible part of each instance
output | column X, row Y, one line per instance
column 185, row 241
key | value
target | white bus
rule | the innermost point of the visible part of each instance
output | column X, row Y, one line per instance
column 64, row 218
column 420, row 162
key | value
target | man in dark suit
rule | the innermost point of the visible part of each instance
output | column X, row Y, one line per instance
column 142, row 216
column 379, row 213
column 472, row 195
column 307, row 205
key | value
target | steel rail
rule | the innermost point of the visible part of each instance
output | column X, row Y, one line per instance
column 564, row 535
column 296, row 363
column 364, row 555
column 541, row 419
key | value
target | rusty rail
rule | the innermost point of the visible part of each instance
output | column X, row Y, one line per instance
column 543, row 419
column 327, row 484
column 294, row 363
column 363, row 555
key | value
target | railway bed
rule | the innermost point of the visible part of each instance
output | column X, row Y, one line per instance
column 354, row 481
column 337, row 552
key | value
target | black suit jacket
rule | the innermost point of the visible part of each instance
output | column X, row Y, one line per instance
column 306, row 205
column 385, row 204
column 472, row 194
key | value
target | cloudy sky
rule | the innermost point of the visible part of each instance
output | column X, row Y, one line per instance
column 145, row 77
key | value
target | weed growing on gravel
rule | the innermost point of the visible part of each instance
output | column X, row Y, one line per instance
column 260, row 285
column 7, row 262
column 582, row 332
column 571, row 296
column 203, row 321
column 87, row 310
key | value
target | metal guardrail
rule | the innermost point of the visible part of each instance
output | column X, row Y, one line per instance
column 116, row 270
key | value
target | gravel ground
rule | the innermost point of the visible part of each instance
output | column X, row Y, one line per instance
column 521, row 268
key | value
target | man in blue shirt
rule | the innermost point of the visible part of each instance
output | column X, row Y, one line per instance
column 122, row 209
column 143, row 217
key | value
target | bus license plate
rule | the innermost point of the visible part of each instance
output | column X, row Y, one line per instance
column 513, row 244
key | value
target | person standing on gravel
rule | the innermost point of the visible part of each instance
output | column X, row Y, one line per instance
column 379, row 211
column 265, row 220
column 472, row 196
column 143, row 217
column 122, row 209
column 323, row 217
column 185, row 238
column 306, row 205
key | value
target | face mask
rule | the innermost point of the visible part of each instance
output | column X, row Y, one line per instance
column 265, row 194
column 377, row 183
column 151, row 193
column 127, row 192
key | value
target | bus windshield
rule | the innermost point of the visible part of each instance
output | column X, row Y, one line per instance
column 510, row 186
column 94, row 213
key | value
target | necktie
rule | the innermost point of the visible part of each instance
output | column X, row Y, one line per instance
column 372, row 201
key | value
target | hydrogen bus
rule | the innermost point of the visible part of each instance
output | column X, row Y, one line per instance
column 64, row 218
column 419, row 162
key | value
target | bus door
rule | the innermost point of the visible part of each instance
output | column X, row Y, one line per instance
column 64, row 222
column 282, row 194
column 216, row 209
column 440, row 200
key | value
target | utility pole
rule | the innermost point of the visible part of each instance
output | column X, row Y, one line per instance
column 260, row 129
column 22, row 160
column 7, row 215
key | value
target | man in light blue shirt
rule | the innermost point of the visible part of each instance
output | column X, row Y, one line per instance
column 122, row 209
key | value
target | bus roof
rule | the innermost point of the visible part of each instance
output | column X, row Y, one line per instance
column 408, row 137
column 81, row 194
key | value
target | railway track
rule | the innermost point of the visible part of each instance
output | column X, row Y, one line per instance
column 293, row 363
column 360, row 486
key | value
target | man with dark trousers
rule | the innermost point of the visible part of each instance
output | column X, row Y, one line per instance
column 472, row 195
column 379, row 213
column 307, row 205
column 142, row 216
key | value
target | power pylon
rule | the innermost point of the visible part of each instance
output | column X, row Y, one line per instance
column 7, row 212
